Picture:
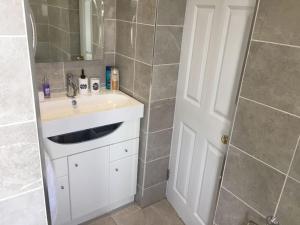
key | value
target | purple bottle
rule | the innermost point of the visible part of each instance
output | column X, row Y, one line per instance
column 46, row 87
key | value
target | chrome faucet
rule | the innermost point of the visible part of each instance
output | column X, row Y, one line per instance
column 71, row 86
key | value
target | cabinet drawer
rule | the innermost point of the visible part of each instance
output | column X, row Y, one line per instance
column 60, row 167
column 124, row 149
column 63, row 201
column 123, row 178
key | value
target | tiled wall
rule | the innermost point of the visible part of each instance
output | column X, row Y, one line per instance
column 262, row 173
column 148, row 42
column 95, row 68
column 21, row 188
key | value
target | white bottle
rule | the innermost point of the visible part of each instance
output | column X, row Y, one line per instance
column 95, row 85
column 83, row 84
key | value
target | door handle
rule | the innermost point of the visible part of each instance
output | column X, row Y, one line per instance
column 225, row 139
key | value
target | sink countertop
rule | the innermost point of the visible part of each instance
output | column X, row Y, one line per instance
column 59, row 116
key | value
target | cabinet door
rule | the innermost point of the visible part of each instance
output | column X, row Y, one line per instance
column 89, row 181
column 123, row 178
column 63, row 200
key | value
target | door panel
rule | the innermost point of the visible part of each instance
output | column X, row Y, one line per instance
column 234, row 43
column 214, row 44
column 185, row 154
column 123, row 173
column 89, row 181
column 198, row 50
column 208, row 192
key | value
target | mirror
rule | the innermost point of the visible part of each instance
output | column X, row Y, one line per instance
column 68, row 30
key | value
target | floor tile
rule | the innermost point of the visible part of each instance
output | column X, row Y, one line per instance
column 161, row 213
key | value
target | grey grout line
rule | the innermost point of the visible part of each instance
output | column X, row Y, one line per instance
column 60, row 7
column 245, row 203
column 133, row 59
column 148, row 24
column 108, row 52
column 148, row 117
column 288, row 172
column 134, row 22
column 153, row 160
column 17, row 123
column 294, row 179
column 276, row 43
column 241, row 85
column 110, row 19
column 271, row 107
column 21, row 194
column 169, row 25
column 163, row 99
column 61, row 29
column 127, row 89
column 135, row 37
column 259, row 160
column 13, row 36
column 167, row 64
column 157, row 65
column 158, row 131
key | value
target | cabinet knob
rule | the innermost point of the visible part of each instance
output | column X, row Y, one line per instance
column 126, row 150
column 76, row 165
column 116, row 169
column 62, row 187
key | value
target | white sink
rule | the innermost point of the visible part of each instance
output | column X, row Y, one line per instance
column 60, row 116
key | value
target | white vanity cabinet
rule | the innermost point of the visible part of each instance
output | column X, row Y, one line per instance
column 62, row 191
column 89, row 175
column 96, row 181
column 94, row 148
column 63, row 200
column 123, row 170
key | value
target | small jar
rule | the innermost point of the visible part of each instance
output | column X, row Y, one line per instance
column 95, row 85
column 115, row 80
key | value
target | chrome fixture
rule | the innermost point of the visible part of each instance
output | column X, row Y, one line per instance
column 272, row 220
column 71, row 86
column 74, row 102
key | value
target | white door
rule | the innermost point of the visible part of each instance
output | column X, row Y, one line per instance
column 89, row 181
column 215, row 38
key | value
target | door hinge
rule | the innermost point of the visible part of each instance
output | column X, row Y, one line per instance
column 168, row 174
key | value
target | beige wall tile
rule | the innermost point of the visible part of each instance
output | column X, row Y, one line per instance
column 289, row 207
column 266, row 134
column 231, row 211
column 272, row 76
column 278, row 21
column 255, row 183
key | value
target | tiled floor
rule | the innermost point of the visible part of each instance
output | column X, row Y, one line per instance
column 160, row 213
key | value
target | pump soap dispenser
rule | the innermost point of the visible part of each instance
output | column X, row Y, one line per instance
column 83, row 84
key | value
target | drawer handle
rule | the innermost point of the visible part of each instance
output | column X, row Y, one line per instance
column 76, row 165
column 126, row 150
column 116, row 169
column 62, row 187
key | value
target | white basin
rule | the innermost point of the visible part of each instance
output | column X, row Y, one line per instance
column 60, row 116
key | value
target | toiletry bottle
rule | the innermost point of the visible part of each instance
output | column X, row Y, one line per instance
column 107, row 77
column 115, row 80
column 83, row 84
column 46, row 87
column 95, row 85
